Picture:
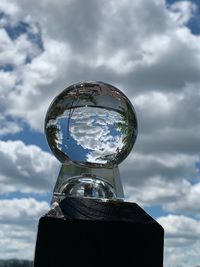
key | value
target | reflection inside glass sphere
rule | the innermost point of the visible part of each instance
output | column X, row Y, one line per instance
column 91, row 124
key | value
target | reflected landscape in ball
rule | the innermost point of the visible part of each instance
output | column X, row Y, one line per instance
column 91, row 124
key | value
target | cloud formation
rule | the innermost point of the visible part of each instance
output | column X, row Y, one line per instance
column 182, row 240
column 147, row 50
column 26, row 168
column 18, row 226
column 164, row 58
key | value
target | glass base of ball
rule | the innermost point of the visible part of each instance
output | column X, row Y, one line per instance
column 78, row 181
column 87, row 186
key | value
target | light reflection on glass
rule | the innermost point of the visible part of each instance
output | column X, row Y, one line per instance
column 91, row 124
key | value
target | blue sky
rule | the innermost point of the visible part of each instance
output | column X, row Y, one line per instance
column 150, row 50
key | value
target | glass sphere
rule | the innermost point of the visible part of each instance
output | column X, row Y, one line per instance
column 91, row 124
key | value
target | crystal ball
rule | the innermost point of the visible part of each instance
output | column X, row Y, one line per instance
column 91, row 124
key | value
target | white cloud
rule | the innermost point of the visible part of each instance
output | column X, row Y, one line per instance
column 180, row 227
column 9, row 53
column 26, row 168
column 23, row 211
column 15, row 52
column 146, row 49
column 39, row 80
column 188, row 202
column 10, row 7
column 182, row 11
column 160, row 178
column 168, row 122
column 8, row 81
column 160, row 51
column 8, row 127
column 169, row 166
column 18, row 226
column 181, row 240
column 99, row 139
column 156, row 191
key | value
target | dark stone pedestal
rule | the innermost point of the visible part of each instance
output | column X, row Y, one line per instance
column 96, row 233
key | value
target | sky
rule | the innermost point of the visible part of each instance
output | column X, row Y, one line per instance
column 150, row 50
